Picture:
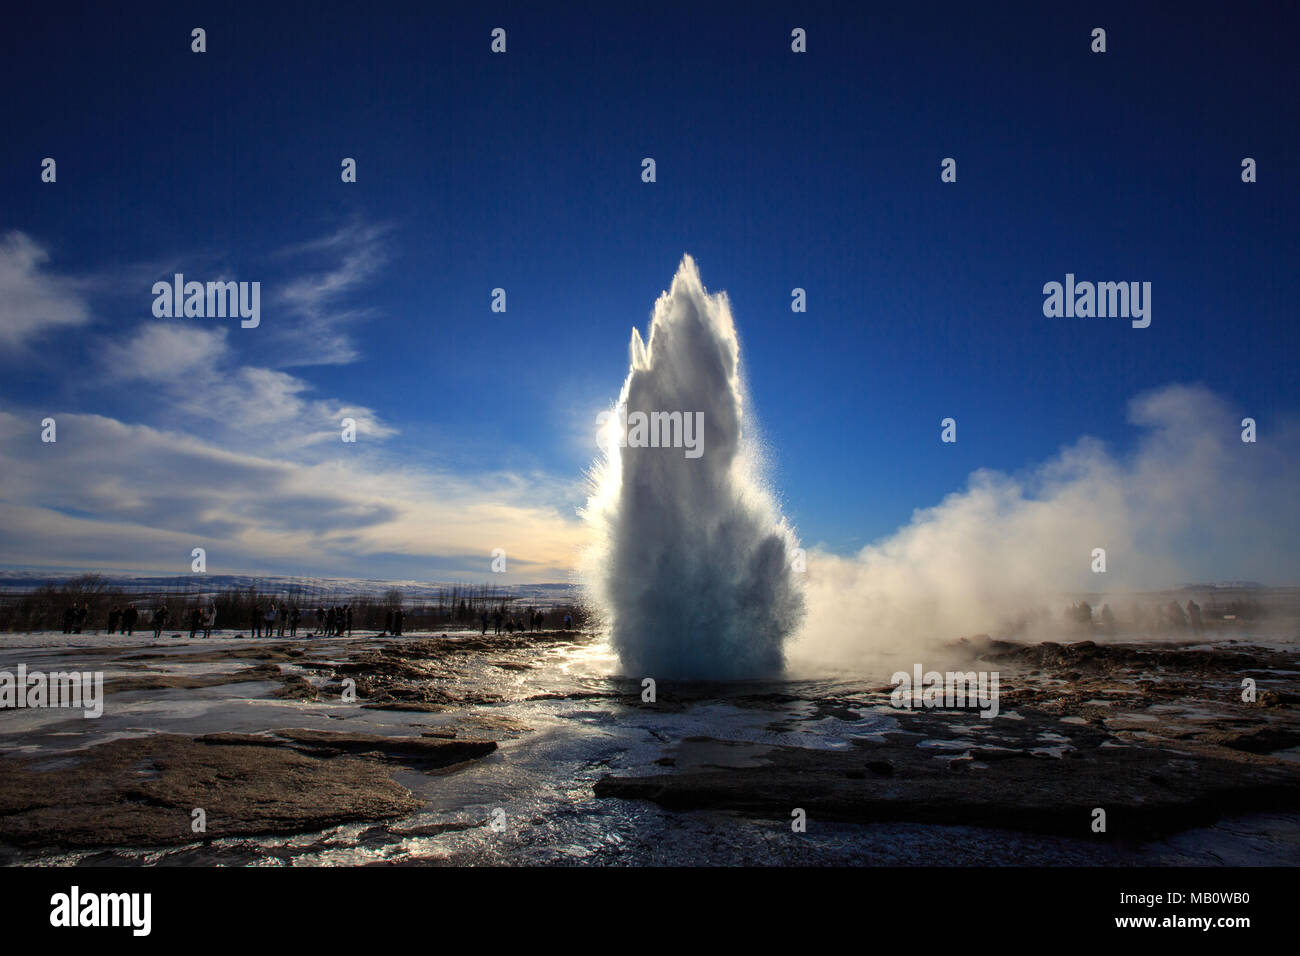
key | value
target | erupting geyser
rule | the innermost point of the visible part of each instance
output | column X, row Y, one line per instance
column 691, row 569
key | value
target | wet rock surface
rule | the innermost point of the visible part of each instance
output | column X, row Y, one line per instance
column 437, row 674
column 485, row 749
column 991, row 779
column 1157, row 736
column 144, row 791
column 409, row 751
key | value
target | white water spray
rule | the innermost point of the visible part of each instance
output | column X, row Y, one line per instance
column 691, row 565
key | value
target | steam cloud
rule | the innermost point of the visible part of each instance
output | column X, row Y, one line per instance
column 691, row 569
column 1193, row 503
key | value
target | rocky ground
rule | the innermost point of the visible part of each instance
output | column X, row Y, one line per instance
column 1156, row 736
column 517, row 748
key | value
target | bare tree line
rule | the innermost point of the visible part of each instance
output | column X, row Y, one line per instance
column 457, row 605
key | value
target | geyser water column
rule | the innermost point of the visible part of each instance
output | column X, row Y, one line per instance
column 691, row 565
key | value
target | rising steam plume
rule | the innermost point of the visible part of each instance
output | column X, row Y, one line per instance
column 1191, row 502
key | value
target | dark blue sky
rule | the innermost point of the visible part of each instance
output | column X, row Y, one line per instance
column 775, row 170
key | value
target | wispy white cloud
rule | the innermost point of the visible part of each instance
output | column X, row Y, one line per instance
column 316, row 301
column 198, row 374
column 33, row 300
column 166, row 352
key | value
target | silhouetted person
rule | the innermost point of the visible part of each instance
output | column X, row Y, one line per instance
column 399, row 618
column 294, row 617
column 257, row 620
column 129, row 618
column 210, row 620
column 159, row 620
column 1194, row 615
column 483, row 619
column 496, row 621
column 114, row 616
column 196, row 621
column 348, row 615
column 269, row 620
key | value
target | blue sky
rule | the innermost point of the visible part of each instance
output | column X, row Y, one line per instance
column 522, row 171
